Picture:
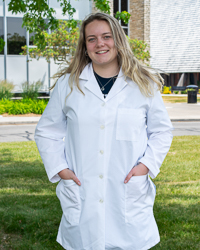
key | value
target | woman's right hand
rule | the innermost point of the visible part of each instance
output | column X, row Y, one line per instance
column 68, row 174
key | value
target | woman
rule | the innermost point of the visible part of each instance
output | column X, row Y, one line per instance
column 104, row 132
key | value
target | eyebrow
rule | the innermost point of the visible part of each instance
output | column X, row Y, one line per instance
column 102, row 34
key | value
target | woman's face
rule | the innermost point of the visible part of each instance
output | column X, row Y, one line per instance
column 100, row 44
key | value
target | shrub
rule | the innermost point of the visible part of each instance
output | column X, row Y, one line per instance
column 184, row 92
column 176, row 92
column 166, row 90
column 6, row 88
column 23, row 106
column 191, row 89
column 30, row 90
column 140, row 49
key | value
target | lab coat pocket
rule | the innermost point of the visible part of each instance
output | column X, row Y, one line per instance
column 139, row 198
column 68, row 193
column 129, row 123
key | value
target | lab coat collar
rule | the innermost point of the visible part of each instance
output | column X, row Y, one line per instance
column 93, row 86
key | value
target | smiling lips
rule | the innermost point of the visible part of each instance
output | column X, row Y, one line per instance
column 102, row 52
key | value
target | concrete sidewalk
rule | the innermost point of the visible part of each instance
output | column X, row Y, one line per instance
column 183, row 111
column 176, row 111
column 8, row 120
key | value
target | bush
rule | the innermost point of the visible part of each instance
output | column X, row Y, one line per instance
column 23, row 106
column 140, row 49
column 176, row 92
column 30, row 90
column 6, row 88
column 191, row 89
column 184, row 92
column 166, row 90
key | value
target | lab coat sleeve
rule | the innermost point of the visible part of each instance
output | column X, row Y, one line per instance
column 50, row 133
column 159, row 133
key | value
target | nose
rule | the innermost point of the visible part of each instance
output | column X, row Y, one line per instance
column 100, row 42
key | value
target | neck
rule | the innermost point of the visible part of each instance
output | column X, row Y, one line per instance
column 106, row 71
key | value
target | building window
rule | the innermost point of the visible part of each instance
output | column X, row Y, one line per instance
column 121, row 5
column 16, row 35
column 31, row 35
column 31, row 38
column 1, row 32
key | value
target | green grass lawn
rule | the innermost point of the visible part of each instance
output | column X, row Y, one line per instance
column 30, row 212
column 175, row 99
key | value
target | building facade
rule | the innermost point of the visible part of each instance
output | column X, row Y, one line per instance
column 19, row 68
column 170, row 28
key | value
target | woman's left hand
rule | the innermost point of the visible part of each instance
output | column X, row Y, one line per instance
column 138, row 170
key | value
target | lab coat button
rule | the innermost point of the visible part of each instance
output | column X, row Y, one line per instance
column 101, row 201
column 102, row 126
column 101, row 176
column 101, row 151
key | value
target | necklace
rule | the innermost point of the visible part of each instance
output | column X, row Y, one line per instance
column 102, row 88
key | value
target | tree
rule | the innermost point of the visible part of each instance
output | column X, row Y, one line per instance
column 36, row 12
column 62, row 41
column 140, row 49
column 60, row 44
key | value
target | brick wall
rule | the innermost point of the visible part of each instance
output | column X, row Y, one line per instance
column 140, row 20
column 139, row 25
column 147, row 21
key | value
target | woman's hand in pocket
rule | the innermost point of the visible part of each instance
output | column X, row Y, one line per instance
column 138, row 170
column 68, row 174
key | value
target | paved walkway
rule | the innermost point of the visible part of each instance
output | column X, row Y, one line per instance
column 183, row 111
column 176, row 111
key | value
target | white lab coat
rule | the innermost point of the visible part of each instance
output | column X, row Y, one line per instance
column 101, row 140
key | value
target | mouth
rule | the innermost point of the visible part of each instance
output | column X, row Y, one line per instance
column 102, row 52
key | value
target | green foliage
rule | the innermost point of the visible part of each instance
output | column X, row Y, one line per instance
column 184, row 91
column 166, row 90
column 124, row 16
column 36, row 12
column 140, row 49
column 102, row 5
column 2, row 44
column 191, row 89
column 6, row 88
column 30, row 90
column 60, row 44
column 35, row 15
column 176, row 92
column 24, row 106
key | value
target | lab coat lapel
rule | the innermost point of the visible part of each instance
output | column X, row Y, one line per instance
column 91, row 84
column 119, row 84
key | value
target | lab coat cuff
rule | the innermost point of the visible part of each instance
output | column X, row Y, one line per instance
column 53, row 175
column 153, row 172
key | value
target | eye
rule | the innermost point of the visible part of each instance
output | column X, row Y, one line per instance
column 107, row 37
column 91, row 40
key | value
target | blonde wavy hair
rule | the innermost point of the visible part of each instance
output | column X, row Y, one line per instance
column 141, row 74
